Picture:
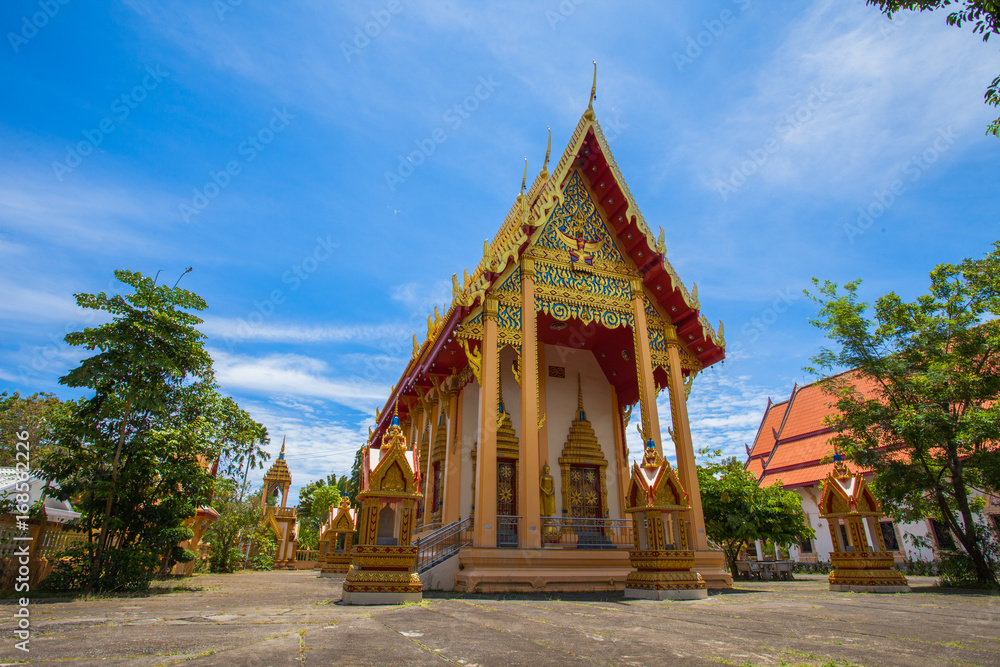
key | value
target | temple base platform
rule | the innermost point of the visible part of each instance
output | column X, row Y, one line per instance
column 847, row 588
column 486, row 570
column 370, row 598
column 866, row 572
column 668, row 594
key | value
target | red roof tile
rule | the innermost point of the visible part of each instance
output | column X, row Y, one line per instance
column 805, row 450
column 764, row 441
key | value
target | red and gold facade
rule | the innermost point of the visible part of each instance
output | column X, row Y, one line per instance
column 337, row 540
column 573, row 303
column 662, row 558
column 383, row 562
column 853, row 514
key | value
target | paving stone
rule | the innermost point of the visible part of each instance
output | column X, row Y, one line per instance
column 284, row 618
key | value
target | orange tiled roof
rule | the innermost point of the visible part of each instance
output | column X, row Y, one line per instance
column 805, row 450
column 764, row 442
column 796, row 456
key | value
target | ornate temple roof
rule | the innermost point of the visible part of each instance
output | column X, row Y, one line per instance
column 586, row 163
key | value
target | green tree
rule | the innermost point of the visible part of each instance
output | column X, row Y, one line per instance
column 982, row 15
column 738, row 510
column 135, row 455
column 920, row 406
column 241, row 521
column 315, row 501
column 33, row 414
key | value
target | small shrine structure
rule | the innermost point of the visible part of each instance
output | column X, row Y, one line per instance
column 337, row 540
column 383, row 563
column 283, row 520
column 662, row 558
column 853, row 514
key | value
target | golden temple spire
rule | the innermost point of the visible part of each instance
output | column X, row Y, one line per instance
column 579, row 397
column 282, row 454
column 548, row 152
column 589, row 113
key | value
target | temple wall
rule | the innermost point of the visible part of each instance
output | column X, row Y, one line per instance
column 469, row 436
column 560, row 397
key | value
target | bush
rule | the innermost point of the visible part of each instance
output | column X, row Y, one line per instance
column 126, row 569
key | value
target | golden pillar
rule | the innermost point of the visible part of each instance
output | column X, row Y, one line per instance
column 486, row 468
column 685, row 448
column 620, row 459
column 529, row 503
column 644, row 362
column 453, row 458
column 436, row 408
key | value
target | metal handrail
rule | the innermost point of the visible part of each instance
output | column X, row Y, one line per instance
column 586, row 533
column 442, row 544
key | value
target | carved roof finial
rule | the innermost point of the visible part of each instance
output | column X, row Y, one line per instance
column 281, row 455
column 548, row 152
column 524, row 179
column 589, row 113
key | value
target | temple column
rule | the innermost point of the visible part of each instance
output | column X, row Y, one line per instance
column 453, row 459
column 486, row 459
column 530, row 527
column 624, row 474
column 436, row 406
column 685, row 448
column 644, row 363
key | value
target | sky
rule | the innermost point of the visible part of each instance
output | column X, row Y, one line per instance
column 285, row 152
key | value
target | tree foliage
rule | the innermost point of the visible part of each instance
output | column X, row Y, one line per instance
column 315, row 501
column 982, row 15
column 135, row 456
column 240, row 523
column 929, row 426
column 33, row 414
column 739, row 511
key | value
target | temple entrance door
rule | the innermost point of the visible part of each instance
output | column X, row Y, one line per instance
column 506, row 503
column 585, row 503
column 585, row 492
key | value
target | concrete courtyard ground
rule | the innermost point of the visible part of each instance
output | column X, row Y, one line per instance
column 293, row 618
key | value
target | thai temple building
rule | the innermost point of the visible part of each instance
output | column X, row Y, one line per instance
column 518, row 398
column 793, row 446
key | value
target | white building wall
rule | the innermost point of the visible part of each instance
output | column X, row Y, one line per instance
column 561, row 400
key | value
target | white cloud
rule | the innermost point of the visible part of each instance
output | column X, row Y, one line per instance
column 296, row 376
column 241, row 329
column 888, row 95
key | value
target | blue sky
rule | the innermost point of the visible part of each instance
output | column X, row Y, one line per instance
column 772, row 141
